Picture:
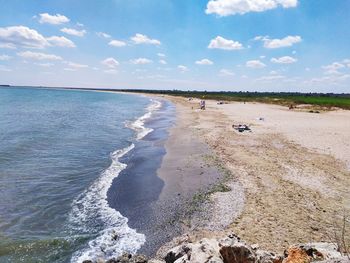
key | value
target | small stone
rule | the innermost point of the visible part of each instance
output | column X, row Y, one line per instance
column 139, row 259
column 255, row 246
column 314, row 228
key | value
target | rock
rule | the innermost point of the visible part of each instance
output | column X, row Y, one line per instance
column 267, row 257
column 227, row 250
column 296, row 255
column 337, row 260
column 125, row 258
column 156, row 261
column 233, row 250
column 321, row 250
column 177, row 241
column 128, row 258
column 139, row 259
column 255, row 246
column 305, row 253
column 177, row 252
column 87, row 261
column 207, row 250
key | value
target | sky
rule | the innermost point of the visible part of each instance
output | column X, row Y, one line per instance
column 214, row 45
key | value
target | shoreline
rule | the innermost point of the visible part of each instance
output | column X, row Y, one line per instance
column 286, row 182
column 293, row 192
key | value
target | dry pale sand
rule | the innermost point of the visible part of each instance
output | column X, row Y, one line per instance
column 292, row 169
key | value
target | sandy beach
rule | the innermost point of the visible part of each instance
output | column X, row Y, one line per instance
column 285, row 182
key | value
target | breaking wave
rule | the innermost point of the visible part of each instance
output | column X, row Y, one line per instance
column 92, row 215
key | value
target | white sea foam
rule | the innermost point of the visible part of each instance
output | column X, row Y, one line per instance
column 139, row 124
column 91, row 208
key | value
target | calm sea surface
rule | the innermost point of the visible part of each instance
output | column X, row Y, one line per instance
column 59, row 153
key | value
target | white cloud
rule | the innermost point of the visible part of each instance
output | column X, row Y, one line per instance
column 7, row 45
column 110, row 62
column 161, row 55
column 38, row 56
column 182, row 68
column 332, row 79
column 60, row 42
column 103, row 35
column 143, row 39
column 73, row 32
column 117, row 43
column 288, row 41
column 162, row 61
column 204, row 61
column 226, row 44
column 347, row 62
column 46, row 65
column 53, row 19
column 233, row 7
column 4, row 57
column 141, row 61
column 333, row 69
column 21, row 36
column 76, row 65
column 284, row 60
column 226, row 72
column 255, row 64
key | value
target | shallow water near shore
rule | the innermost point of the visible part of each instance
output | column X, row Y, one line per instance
column 60, row 152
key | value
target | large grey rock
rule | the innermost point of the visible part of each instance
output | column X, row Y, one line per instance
column 227, row 250
column 207, row 250
column 267, row 257
column 128, row 258
column 154, row 260
column 181, row 251
column 336, row 260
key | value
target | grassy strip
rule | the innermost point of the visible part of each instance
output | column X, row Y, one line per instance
column 323, row 100
column 201, row 197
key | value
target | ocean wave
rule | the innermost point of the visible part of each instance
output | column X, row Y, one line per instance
column 91, row 213
column 139, row 124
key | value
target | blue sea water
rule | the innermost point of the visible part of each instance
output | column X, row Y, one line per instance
column 59, row 154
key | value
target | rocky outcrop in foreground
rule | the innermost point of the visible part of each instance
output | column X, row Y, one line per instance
column 232, row 249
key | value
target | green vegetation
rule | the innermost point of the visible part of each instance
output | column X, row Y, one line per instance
column 282, row 98
column 203, row 196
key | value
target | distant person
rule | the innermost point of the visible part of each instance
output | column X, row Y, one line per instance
column 202, row 105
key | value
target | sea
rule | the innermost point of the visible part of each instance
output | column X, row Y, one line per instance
column 69, row 159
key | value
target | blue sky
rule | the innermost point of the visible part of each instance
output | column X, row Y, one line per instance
column 249, row 45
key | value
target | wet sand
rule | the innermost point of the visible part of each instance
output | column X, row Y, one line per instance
column 291, row 172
